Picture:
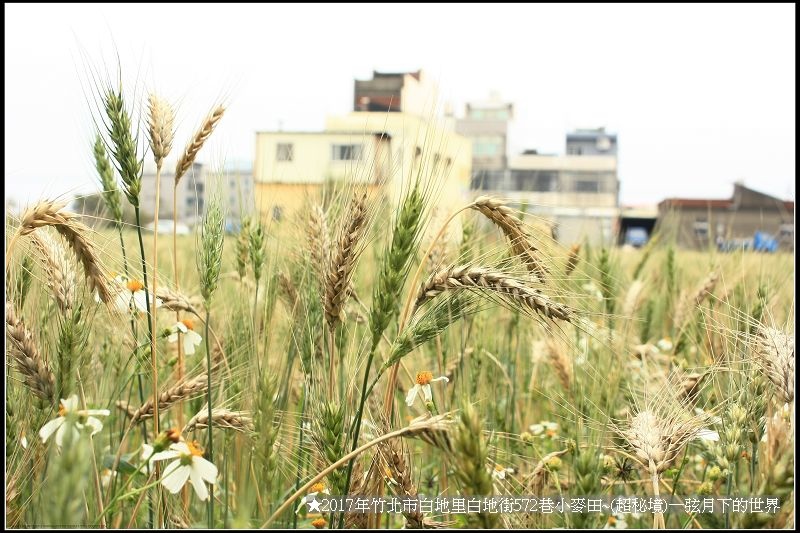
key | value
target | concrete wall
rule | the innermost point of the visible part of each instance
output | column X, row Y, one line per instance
column 686, row 224
column 473, row 129
column 312, row 157
column 569, row 172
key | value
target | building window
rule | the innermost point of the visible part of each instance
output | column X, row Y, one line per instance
column 346, row 152
column 701, row 229
column 277, row 213
column 603, row 144
column 787, row 231
column 587, row 186
column 487, row 146
column 285, row 152
column 534, row 180
column 574, row 150
column 499, row 114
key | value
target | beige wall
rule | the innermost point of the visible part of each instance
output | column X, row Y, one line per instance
column 444, row 162
column 419, row 97
column 438, row 144
column 311, row 162
column 564, row 162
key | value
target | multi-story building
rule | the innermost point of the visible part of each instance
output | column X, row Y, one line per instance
column 486, row 125
column 728, row 222
column 235, row 186
column 374, row 148
column 399, row 92
column 591, row 142
column 392, row 135
column 578, row 192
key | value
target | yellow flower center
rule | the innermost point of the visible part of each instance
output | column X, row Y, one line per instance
column 317, row 487
column 62, row 411
column 195, row 449
column 135, row 285
column 499, row 468
column 424, row 378
column 188, row 323
column 612, row 521
column 319, row 523
column 551, row 433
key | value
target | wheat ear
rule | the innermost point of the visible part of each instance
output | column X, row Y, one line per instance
column 198, row 140
column 37, row 374
column 50, row 213
column 486, row 279
column 512, row 227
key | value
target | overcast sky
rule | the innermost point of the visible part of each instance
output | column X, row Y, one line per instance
column 699, row 95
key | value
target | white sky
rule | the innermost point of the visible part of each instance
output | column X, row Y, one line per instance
column 700, row 95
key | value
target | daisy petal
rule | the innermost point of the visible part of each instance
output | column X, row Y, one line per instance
column 205, row 469
column 412, row 395
column 173, row 337
column 162, row 456
column 147, row 451
column 197, row 483
column 140, row 300
column 175, row 476
column 707, row 434
column 188, row 346
column 71, row 403
column 95, row 425
column 181, row 447
column 442, row 378
column 98, row 412
column 426, row 391
column 50, row 427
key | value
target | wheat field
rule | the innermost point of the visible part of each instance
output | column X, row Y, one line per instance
column 364, row 348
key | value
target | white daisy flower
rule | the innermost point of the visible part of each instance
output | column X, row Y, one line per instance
column 106, row 477
column 544, row 429
column 316, row 488
column 188, row 466
column 85, row 418
column 665, row 344
column 711, row 418
column 617, row 521
column 500, row 471
column 424, row 380
column 707, row 434
column 132, row 289
column 191, row 338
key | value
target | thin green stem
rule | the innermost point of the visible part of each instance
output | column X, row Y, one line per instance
column 149, row 321
column 357, row 430
column 300, row 455
column 210, row 423
column 122, row 245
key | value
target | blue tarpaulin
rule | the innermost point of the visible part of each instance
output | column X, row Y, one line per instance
column 764, row 242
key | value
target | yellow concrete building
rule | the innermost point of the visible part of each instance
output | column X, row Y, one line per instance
column 381, row 149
